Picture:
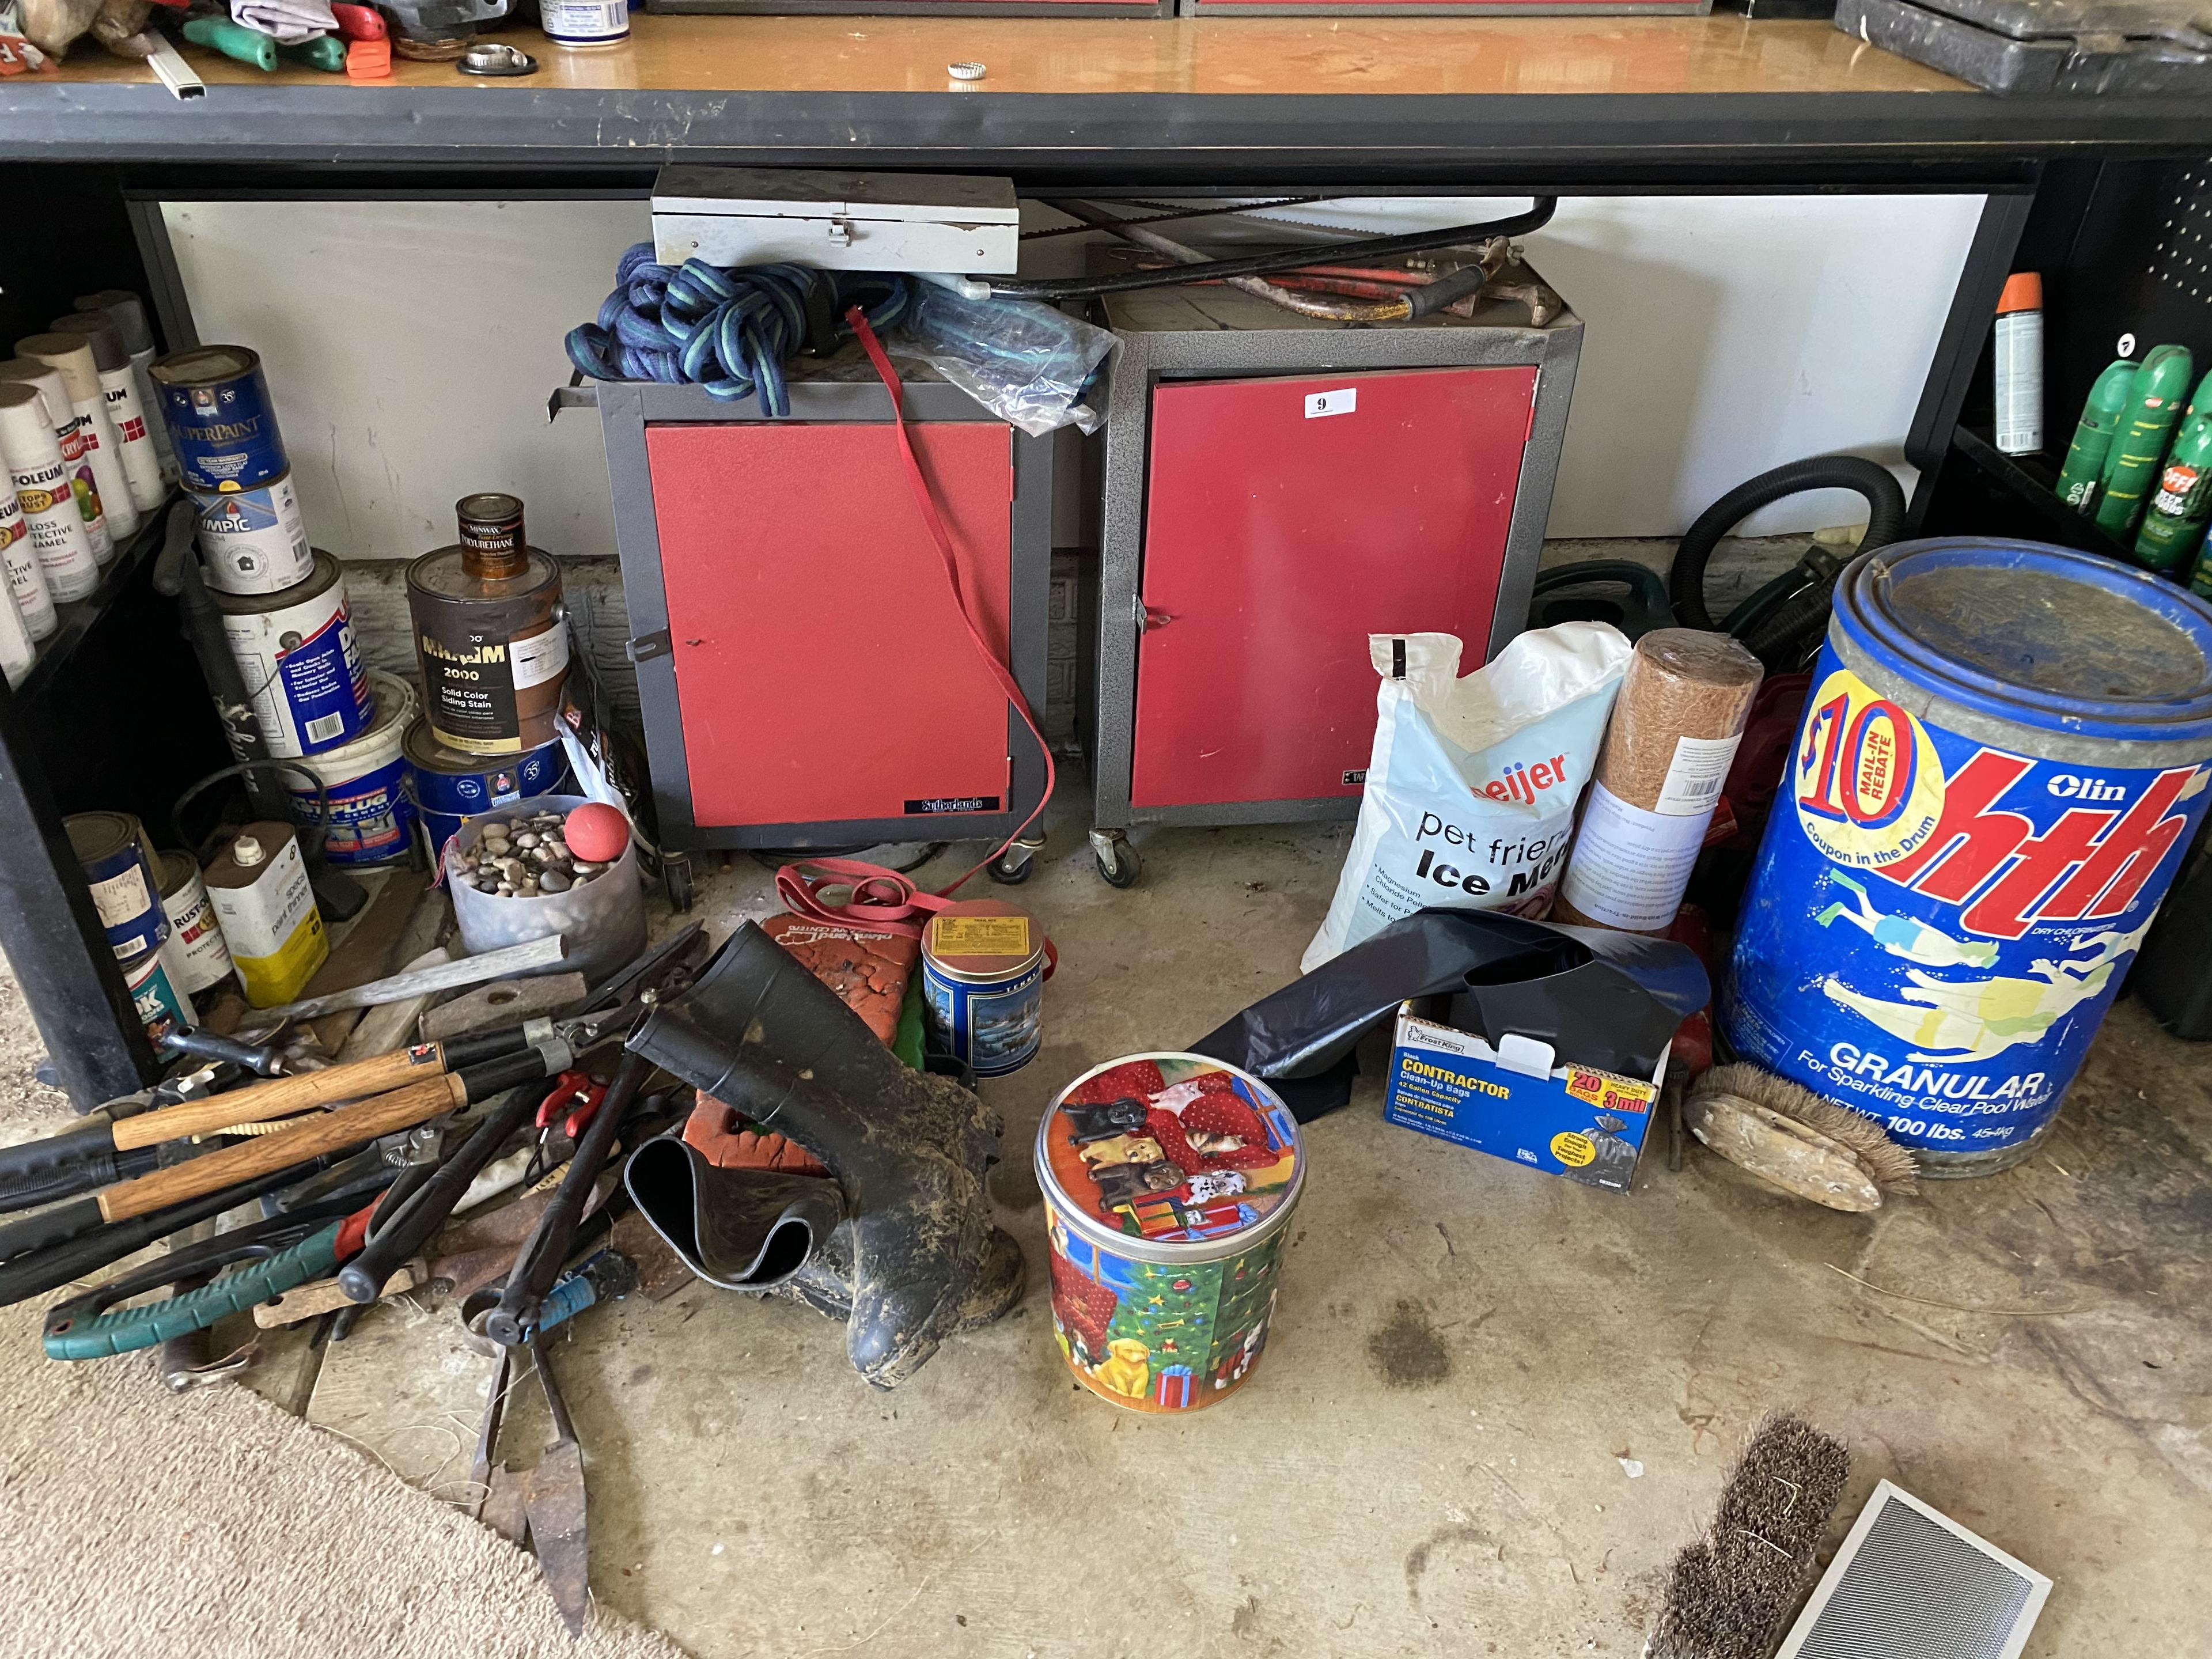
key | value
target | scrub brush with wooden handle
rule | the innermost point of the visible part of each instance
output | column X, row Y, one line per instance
column 1792, row 1137
column 1728, row 1594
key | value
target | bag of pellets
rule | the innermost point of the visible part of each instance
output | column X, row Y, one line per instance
column 1473, row 783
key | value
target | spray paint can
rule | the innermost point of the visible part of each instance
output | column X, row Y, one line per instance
column 118, row 862
column 44, row 495
column 2018, row 343
column 162, row 1004
column 26, row 583
column 302, row 670
column 61, row 419
column 17, row 650
column 118, row 388
column 70, row 356
column 197, row 958
column 584, row 22
column 2103, row 414
column 490, row 632
column 2174, row 523
column 254, row 541
column 128, row 313
column 2131, row 469
column 221, row 424
column 259, row 886
column 371, row 819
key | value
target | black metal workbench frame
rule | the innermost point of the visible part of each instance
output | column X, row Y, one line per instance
column 86, row 162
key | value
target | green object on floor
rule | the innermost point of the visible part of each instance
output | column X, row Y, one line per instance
column 2154, row 409
column 2174, row 523
column 2103, row 414
column 232, row 40
column 907, row 1040
column 324, row 52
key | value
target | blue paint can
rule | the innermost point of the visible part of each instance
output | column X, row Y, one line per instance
column 371, row 821
column 119, row 866
column 983, row 970
column 446, row 785
column 162, row 1002
column 2000, row 766
column 222, row 427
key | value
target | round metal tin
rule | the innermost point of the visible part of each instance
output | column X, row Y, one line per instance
column 983, row 973
column 222, row 427
column 1169, row 1182
column 163, row 1005
column 303, row 672
column 196, row 954
column 118, row 865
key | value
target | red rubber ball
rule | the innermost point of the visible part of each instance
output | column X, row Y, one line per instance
column 596, row 832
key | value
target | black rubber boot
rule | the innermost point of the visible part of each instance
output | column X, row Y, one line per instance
column 909, row 1151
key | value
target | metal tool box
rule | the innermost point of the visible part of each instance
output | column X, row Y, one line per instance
column 805, row 676
column 1445, row 8
column 1277, row 488
column 924, row 7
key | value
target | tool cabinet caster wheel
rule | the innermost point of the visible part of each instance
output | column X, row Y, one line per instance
column 676, row 877
column 1012, row 867
column 1118, row 865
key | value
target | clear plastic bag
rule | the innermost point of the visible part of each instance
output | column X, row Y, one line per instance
column 1031, row 366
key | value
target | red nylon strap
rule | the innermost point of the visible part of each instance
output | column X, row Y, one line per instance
column 883, row 899
column 352, row 1231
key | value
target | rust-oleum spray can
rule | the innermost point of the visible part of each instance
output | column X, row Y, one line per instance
column 490, row 632
column 2174, row 523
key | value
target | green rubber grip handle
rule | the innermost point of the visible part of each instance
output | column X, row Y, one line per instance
column 232, row 40
column 127, row 1329
column 324, row 52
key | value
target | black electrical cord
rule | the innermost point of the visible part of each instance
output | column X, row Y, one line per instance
column 177, row 813
column 1884, row 498
column 1295, row 259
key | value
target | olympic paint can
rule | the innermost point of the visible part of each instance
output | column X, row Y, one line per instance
column 254, row 541
column 983, row 970
column 118, row 862
column 584, row 22
column 2000, row 765
column 1169, row 1182
column 371, row 819
column 303, row 672
column 222, row 426
column 197, row 958
column 446, row 785
column 163, row 1005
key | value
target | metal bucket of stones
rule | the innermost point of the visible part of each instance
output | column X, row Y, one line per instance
column 515, row 880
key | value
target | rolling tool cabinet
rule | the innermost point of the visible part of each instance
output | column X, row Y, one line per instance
column 1278, row 486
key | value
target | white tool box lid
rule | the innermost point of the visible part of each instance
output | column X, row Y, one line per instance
column 784, row 193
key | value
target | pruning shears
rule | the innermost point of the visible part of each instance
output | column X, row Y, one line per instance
column 281, row 1253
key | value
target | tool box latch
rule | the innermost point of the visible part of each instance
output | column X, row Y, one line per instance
column 647, row 645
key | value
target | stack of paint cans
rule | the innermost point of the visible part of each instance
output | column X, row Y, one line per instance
column 119, row 864
column 283, row 603
column 493, row 643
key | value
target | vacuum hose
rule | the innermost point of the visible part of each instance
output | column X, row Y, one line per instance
column 1775, row 622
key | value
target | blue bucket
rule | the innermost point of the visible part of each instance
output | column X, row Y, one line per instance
column 446, row 785
column 2000, row 768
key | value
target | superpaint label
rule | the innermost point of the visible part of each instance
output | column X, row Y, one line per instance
column 1935, row 927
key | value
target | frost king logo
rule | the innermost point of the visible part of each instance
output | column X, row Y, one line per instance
column 1871, row 795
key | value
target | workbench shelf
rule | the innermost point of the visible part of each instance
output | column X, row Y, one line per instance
column 79, row 619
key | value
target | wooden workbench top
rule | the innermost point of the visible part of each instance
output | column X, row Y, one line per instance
column 1696, row 56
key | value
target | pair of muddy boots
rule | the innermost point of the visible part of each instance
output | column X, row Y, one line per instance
column 898, row 1240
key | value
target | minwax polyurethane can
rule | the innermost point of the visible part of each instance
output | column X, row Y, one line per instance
column 1999, row 769
column 1169, row 1182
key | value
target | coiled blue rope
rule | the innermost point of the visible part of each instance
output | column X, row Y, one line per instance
column 728, row 331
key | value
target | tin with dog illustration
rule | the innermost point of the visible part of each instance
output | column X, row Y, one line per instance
column 1169, row 1182
column 984, row 964
column 2002, row 764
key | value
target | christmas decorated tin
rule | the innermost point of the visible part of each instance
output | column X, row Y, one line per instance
column 1168, row 1181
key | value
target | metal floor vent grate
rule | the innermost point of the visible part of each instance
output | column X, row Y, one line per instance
column 1911, row 1583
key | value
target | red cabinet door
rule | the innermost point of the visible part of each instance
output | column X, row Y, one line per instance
column 1286, row 520
column 821, row 665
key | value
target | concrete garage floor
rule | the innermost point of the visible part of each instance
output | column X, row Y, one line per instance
column 1493, row 1406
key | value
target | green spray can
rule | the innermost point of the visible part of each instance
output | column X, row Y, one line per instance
column 2174, row 523
column 2102, row 417
column 2132, row 467
column 2201, row 583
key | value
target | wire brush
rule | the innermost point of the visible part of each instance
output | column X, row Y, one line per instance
column 730, row 331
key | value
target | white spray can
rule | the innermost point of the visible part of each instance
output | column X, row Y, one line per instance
column 71, row 357
column 62, row 419
column 128, row 313
column 43, row 493
column 26, row 583
column 17, row 653
column 134, row 434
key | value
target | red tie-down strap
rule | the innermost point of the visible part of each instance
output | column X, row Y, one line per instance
column 884, row 899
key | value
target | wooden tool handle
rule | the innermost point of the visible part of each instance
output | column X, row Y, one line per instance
column 280, row 1096
column 349, row 1126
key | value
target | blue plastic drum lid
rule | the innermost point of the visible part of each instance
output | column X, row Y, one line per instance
column 1998, row 771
